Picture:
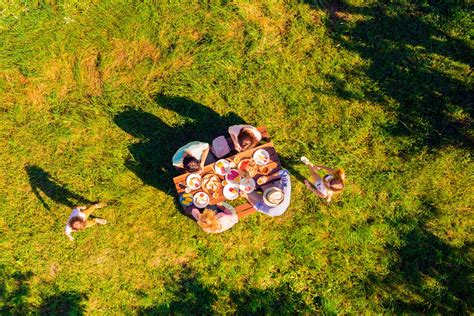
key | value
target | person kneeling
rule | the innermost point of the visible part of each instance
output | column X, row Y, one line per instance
column 213, row 223
column 276, row 196
column 79, row 219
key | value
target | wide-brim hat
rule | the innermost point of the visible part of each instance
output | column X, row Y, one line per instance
column 273, row 196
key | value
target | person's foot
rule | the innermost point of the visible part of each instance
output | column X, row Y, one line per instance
column 100, row 205
column 306, row 161
column 308, row 184
column 101, row 221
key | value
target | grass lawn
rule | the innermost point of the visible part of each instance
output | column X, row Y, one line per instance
column 95, row 97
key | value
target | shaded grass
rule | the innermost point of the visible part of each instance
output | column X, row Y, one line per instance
column 95, row 97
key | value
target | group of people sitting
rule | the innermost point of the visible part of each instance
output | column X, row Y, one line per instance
column 271, row 198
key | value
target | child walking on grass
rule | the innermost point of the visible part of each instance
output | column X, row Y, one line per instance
column 325, row 187
column 79, row 219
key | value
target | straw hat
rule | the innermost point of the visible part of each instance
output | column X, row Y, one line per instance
column 273, row 196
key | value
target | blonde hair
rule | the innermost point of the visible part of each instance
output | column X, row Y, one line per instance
column 208, row 221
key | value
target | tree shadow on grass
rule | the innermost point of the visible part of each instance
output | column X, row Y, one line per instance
column 151, row 157
column 14, row 292
column 430, row 275
column 192, row 297
column 14, row 301
column 63, row 303
column 273, row 301
column 42, row 182
column 406, row 51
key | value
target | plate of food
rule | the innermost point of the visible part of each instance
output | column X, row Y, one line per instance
column 231, row 191
column 221, row 167
column 247, row 185
column 201, row 200
column 193, row 181
column 210, row 183
column 261, row 157
column 248, row 167
column 233, row 176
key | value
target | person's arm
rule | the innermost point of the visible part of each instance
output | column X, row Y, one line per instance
column 313, row 189
column 67, row 232
column 233, row 132
column 196, row 214
column 331, row 171
column 204, row 156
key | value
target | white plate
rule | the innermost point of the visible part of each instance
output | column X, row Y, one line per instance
column 247, row 185
column 261, row 157
column 201, row 200
column 224, row 164
column 193, row 181
column 231, row 194
column 233, row 172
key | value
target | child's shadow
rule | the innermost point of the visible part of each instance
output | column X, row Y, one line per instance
column 42, row 181
column 151, row 157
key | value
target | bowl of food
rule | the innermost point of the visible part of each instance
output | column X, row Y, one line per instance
column 186, row 199
column 201, row 200
column 233, row 176
column 222, row 166
column 248, row 167
column 193, row 181
column 231, row 191
column 261, row 157
column 247, row 185
column 210, row 183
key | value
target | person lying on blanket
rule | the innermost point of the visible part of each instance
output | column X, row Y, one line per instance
column 244, row 137
column 276, row 196
column 325, row 187
column 192, row 157
column 79, row 219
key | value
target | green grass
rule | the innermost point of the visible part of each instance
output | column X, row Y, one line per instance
column 96, row 96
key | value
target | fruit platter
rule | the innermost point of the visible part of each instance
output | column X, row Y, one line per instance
column 248, row 167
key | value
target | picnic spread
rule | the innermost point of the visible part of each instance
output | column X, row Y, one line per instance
column 225, row 179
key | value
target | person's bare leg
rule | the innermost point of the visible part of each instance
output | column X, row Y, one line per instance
column 314, row 174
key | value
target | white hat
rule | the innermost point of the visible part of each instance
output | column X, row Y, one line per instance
column 273, row 196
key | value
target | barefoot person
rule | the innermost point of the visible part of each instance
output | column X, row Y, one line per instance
column 332, row 183
column 79, row 219
column 192, row 157
column 276, row 196
column 244, row 137
column 213, row 223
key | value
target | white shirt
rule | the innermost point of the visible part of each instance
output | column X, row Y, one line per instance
column 75, row 213
column 194, row 149
column 235, row 131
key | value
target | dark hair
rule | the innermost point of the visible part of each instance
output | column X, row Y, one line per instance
column 191, row 164
column 75, row 219
column 247, row 140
